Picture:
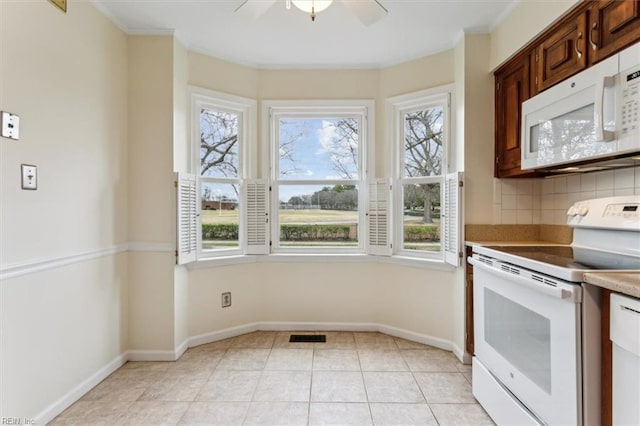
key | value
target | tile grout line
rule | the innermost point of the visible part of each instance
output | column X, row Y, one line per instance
column 420, row 388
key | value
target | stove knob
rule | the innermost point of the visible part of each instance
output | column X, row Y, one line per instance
column 583, row 210
column 572, row 211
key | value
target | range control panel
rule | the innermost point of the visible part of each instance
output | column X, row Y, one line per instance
column 625, row 211
column 610, row 213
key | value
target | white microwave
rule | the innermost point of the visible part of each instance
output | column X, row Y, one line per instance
column 593, row 115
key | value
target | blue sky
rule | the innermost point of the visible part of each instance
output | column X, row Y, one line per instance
column 312, row 143
column 313, row 140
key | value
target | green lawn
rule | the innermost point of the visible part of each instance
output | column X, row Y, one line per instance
column 311, row 217
column 286, row 216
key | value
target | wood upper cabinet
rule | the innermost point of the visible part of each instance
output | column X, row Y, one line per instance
column 592, row 31
column 613, row 25
column 511, row 89
column 562, row 54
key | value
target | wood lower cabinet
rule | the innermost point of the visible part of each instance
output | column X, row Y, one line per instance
column 562, row 54
column 613, row 25
column 468, row 318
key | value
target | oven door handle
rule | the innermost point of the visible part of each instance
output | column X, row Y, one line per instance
column 546, row 289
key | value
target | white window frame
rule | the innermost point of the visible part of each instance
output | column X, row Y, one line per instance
column 247, row 110
column 272, row 111
column 396, row 108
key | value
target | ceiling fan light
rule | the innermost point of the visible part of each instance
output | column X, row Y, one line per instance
column 310, row 6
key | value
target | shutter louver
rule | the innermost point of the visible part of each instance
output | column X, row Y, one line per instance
column 187, row 215
column 257, row 229
column 451, row 216
column 379, row 195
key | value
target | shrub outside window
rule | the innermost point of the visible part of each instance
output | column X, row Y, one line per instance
column 317, row 177
column 220, row 143
column 420, row 133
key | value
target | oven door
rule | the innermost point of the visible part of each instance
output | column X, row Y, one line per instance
column 527, row 335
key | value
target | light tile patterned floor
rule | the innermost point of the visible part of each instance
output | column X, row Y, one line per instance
column 262, row 379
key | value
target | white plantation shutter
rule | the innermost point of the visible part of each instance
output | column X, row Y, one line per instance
column 451, row 217
column 257, row 206
column 379, row 196
column 187, row 215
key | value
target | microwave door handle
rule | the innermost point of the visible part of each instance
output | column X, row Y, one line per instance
column 548, row 290
column 601, row 134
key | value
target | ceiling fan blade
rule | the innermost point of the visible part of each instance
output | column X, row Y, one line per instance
column 368, row 11
column 253, row 9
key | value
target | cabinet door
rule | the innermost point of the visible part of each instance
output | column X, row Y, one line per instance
column 562, row 54
column 613, row 25
column 512, row 88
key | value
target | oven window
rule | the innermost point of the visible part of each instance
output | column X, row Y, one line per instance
column 519, row 335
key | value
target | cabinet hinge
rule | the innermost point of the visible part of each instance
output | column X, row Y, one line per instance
column 460, row 183
column 536, row 57
column 498, row 86
column 536, row 80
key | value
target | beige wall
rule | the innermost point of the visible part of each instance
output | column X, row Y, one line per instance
column 151, row 130
column 478, row 130
column 419, row 74
column 420, row 302
column 65, row 75
column 217, row 74
column 152, row 198
column 104, row 118
column 526, row 20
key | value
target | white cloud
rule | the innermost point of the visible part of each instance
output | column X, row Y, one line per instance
column 309, row 173
column 327, row 137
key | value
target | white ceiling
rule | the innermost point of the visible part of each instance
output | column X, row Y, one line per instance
column 284, row 38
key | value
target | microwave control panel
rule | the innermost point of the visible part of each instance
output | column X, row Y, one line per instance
column 630, row 102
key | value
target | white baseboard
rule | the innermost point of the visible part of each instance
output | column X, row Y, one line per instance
column 215, row 336
column 461, row 354
column 226, row 333
column 425, row 339
column 76, row 393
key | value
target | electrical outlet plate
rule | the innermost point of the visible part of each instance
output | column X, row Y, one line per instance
column 29, row 177
column 226, row 299
column 10, row 126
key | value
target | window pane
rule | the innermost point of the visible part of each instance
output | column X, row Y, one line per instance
column 219, row 216
column 423, row 142
column 421, row 218
column 318, row 148
column 218, row 143
column 318, row 216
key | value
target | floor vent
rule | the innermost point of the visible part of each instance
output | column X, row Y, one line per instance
column 308, row 338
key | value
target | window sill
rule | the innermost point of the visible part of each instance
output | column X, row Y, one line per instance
column 319, row 258
column 416, row 262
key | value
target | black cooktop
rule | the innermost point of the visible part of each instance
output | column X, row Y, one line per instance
column 573, row 257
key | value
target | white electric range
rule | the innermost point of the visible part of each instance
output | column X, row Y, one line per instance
column 537, row 324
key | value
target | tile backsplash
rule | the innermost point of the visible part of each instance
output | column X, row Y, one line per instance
column 546, row 200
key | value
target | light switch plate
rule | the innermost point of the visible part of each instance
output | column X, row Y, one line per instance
column 10, row 125
column 29, row 177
